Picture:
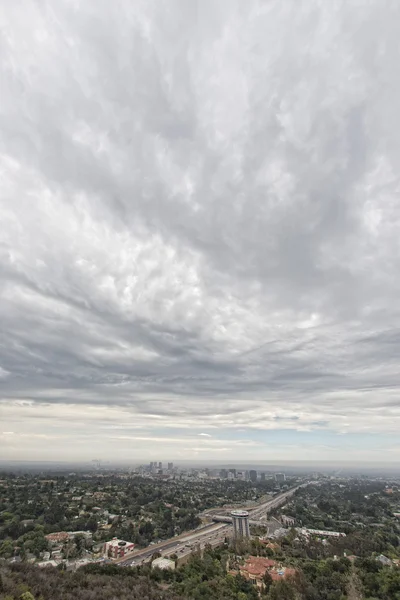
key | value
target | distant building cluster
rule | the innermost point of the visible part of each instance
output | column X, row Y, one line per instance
column 159, row 470
column 156, row 468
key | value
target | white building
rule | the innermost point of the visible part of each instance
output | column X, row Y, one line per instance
column 163, row 563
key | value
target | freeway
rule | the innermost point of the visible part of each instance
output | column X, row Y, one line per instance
column 262, row 509
column 275, row 502
column 212, row 534
column 179, row 545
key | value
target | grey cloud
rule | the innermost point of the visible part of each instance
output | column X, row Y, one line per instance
column 200, row 209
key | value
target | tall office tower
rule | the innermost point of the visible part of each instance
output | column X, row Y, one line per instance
column 240, row 520
column 170, row 466
column 253, row 475
column 160, row 465
column 280, row 477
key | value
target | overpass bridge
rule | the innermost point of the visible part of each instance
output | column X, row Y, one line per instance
column 213, row 533
column 261, row 510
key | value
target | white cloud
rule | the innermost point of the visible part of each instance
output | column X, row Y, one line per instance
column 200, row 224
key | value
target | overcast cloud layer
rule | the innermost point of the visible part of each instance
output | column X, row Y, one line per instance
column 200, row 229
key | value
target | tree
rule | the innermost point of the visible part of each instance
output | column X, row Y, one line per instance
column 6, row 549
column 282, row 590
column 267, row 580
column 79, row 543
column 91, row 524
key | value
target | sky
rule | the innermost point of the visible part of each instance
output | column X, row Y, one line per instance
column 199, row 230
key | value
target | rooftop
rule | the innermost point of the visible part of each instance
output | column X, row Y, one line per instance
column 163, row 563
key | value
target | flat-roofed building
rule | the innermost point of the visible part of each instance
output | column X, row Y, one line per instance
column 163, row 563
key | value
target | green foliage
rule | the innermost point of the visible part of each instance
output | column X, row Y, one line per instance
column 380, row 582
column 148, row 510
column 52, row 584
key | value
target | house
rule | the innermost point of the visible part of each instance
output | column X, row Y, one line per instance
column 255, row 568
column 287, row 521
column 269, row 544
column 47, row 563
column 58, row 537
column 352, row 557
column 384, row 560
column 86, row 534
column 26, row 522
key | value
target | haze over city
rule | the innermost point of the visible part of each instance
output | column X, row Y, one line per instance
column 199, row 231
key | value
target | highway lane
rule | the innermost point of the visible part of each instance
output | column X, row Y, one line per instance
column 255, row 513
column 213, row 533
column 175, row 544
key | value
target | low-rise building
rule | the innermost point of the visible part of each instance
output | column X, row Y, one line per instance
column 384, row 560
column 57, row 537
column 319, row 532
column 287, row 521
column 116, row 548
column 88, row 535
column 47, row 563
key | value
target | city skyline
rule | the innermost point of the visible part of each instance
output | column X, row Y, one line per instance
column 199, row 247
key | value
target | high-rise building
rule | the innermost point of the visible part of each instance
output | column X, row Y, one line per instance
column 170, row 466
column 160, row 465
column 280, row 477
column 240, row 521
column 262, row 476
column 253, row 475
